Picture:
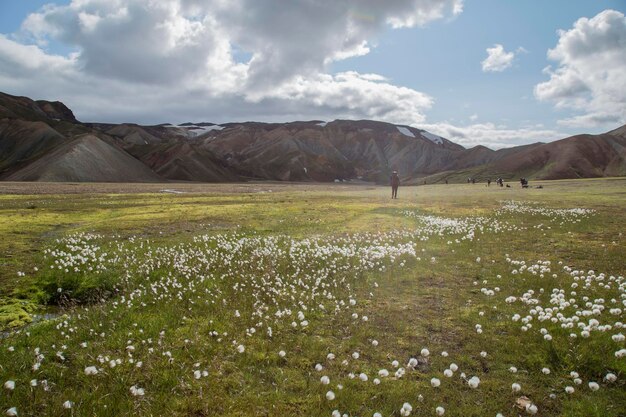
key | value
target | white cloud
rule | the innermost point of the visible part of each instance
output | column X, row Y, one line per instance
column 173, row 60
column 492, row 135
column 30, row 60
column 497, row 59
column 591, row 75
column 429, row 10
column 350, row 94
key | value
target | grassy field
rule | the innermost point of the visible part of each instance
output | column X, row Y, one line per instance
column 322, row 300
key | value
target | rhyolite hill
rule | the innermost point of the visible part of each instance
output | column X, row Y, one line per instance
column 43, row 141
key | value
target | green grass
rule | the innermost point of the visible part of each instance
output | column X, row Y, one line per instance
column 162, row 275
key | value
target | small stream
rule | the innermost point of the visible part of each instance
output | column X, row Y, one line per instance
column 48, row 313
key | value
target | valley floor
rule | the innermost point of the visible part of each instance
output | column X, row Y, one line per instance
column 313, row 299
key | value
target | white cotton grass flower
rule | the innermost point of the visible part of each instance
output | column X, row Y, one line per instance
column 319, row 367
column 531, row 409
column 513, row 369
column 11, row 412
column 330, row 395
column 241, row 348
column 454, row 367
column 374, row 343
column 515, row 387
column 473, row 382
column 395, row 364
column 335, row 413
column 330, row 356
column 593, row 386
column 440, row 411
column 376, row 381
column 569, row 389
column 425, row 353
column 546, row 371
column 363, row 377
column 448, row 373
column 610, row 377
column 33, row 382
column 435, row 382
column 356, row 355
column 282, row 353
column 483, row 354
column 377, row 415
column 444, row 354
column 197, row 374
column 91, row 370
column 136, row 391
column 406, row 409
column 9, row 385
column 68, row 404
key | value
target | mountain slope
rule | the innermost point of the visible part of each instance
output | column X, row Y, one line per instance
column 580, row 156
column 16, row 107
column 183, row 162
column 342, row 149
column 87, row 158
column 22, row 142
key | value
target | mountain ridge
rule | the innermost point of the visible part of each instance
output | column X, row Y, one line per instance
column 42, row 140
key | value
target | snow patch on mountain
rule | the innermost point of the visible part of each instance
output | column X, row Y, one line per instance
column 195, row 130
column 405, row 131
column 433, row 138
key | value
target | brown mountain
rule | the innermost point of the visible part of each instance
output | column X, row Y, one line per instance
column 580, row 156
column 86, row 159
column 43, row 141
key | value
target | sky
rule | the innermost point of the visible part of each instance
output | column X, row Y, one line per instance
column 478, row 72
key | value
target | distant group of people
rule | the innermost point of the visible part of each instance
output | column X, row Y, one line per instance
column 395, row 183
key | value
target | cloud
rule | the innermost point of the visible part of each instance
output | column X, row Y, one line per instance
column 497, row 59
column 590, row 78
column 492, row 135
column 350, row 94
column 174, row 60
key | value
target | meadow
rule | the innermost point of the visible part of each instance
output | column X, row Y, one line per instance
column 313, row 300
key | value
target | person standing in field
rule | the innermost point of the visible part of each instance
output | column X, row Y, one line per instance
column 395, row 183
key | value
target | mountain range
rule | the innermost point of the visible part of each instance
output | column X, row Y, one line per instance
column 42, row 141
